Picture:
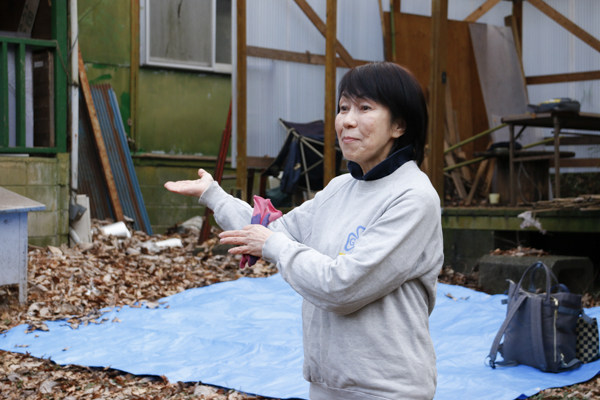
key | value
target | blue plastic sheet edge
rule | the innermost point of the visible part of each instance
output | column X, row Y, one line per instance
column 247, row 335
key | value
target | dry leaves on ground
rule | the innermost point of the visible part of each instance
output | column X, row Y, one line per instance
column 74, row 284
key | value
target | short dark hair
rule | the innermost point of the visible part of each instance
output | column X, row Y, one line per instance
column 396, row 88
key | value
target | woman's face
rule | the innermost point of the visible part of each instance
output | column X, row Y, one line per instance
column 365, row 131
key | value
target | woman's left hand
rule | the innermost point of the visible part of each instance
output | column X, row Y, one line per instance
column 250, row 240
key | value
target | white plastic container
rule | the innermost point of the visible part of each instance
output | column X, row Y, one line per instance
column 118, row 229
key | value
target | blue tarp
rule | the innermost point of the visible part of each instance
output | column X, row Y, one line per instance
column 247, row 335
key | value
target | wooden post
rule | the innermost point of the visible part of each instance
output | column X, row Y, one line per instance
column 556, row 122
column 437, row 109
column 134, row 69
column 242, row 171
column 517, row 12
column 314, row 18
column 330, row 108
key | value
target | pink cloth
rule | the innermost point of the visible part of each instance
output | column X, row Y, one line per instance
column 264, row 213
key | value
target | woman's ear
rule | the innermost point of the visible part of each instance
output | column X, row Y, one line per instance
column 399, row 127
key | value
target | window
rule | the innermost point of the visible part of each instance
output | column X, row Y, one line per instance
column 186, row 34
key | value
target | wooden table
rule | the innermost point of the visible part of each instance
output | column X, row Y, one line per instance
column 557, row 120
column 13, row 239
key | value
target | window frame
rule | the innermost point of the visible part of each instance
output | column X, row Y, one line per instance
column 146, row 61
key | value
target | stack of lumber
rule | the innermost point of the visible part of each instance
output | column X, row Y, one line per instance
column 461, row 188
column 584, row 202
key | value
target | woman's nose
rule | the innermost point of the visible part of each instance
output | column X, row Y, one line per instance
column 350, row 119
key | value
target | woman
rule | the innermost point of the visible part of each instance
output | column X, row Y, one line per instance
column 365, row 253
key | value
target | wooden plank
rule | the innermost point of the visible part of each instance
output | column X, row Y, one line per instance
column 292, row 56
column 100, row 146
column 330, row 95
column 577, row 162
column 478, row 176
column 259, row 162
column 4, row 94
column 489, row 177
column 481, row 10
column 386, row 54
column 566, row 23
column 499, row 73
column 456, row 178
column 558, row 78
column 438, row 46
column 43, row 99
column 511, row 22
column 320, row 25
column 576, row 141
column 241, row 145
column 413, row 49
column 30, row 9
column 453, row 136
column 517, row 14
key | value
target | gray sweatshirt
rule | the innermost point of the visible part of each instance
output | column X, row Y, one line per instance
column 365, row 256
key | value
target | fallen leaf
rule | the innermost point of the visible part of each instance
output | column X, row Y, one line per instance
column 47, row 385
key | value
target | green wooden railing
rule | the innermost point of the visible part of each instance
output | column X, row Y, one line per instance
column 58, row 45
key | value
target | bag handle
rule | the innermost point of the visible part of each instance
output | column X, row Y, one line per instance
column 514, row 306
column 549, row 274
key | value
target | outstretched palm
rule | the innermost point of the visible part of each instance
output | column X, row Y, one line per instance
column 191, row 188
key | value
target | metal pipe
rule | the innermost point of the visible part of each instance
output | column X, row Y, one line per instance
column 472, row 138
column 74, row 99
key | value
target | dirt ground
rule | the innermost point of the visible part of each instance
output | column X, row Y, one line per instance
column 74, row 283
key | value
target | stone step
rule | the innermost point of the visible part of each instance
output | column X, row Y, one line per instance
column 577, row 273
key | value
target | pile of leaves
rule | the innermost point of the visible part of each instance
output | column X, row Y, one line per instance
column 73, row 284
column 520, row 251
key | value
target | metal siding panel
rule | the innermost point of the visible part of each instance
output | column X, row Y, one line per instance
column 293, row 91
column 550, row 49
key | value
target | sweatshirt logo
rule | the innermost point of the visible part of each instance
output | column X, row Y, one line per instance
column 352, row 238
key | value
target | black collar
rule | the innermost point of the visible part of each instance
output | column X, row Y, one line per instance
column 384, row 168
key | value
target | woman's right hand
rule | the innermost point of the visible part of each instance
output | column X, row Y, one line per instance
column 191, row 188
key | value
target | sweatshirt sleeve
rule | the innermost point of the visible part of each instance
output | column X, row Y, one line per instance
column 234, row 214
column 390, row 251
column 230, row 213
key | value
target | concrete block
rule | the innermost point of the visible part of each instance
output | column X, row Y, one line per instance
column 577, row 273
column 63, row 197
column 42, row 171
column 146, row 175
column 42, row 223
column 463, row 248
column 43, row 241
column 63, row 222
column 64, row 168
column 22, row 190
column 14, row 172
column 47, row 195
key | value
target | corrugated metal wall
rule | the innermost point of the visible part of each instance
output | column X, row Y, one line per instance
column 293, row 91
column 547, row 49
